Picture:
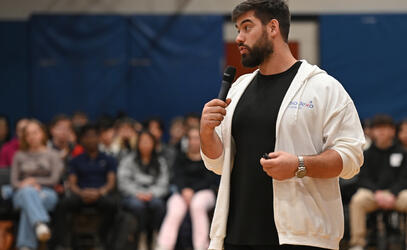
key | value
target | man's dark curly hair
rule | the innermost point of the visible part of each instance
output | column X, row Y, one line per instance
column 266, row 10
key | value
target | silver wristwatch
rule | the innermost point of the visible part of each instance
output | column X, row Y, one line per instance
column 301, row 170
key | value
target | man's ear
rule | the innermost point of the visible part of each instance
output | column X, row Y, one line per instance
column 273, row 27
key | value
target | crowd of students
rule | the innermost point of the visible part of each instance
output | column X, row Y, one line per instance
column 121, row 164
column 110, row 166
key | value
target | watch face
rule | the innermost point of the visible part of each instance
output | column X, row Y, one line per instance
column 301, row 173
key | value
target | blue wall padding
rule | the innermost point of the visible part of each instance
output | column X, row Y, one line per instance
column 14, row 91
column 178, row 71
column 367, row 54
column 101, row 64
column 78, row 63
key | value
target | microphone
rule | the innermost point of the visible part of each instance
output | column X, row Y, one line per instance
column 228, row 77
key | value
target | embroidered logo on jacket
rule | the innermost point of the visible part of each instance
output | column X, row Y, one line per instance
column 300, row 105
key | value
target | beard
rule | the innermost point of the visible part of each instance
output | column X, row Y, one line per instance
column 258, row 53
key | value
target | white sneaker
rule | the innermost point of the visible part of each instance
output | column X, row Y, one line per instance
column 43, row 233
column 356, row 248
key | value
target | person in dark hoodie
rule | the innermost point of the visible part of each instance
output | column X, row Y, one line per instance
column 196, row 187
column 382, row 179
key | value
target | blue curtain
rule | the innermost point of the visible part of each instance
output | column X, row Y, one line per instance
column 142, row 65
column 78, row 63
column 14, row 92
column 176, row 63
column 164, row 65
column 367, row 54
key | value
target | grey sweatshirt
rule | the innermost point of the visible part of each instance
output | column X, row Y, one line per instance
column 132, row 181
column 46, row 167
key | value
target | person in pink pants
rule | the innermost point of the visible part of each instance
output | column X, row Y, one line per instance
column 196, row 187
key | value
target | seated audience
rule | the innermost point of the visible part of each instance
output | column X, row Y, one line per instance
column 368, row 133
column 107, row 135
column 4, row 130
column 196, row 193
column 126, row 138
column 156, row 128
column 382, row 179
column 143, row 180
column 192, row 120
column 62, row 136
column 91, row 179
column 10, row 148
column 177, row 132
column 79, row 119
column 35, row 170
column 402, row 134
column 138, row 126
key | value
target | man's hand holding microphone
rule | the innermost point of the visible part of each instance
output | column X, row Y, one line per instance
column 213, row 114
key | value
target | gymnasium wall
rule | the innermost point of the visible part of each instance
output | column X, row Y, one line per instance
column 367, row 54
column 153, row 57
column 144, row 65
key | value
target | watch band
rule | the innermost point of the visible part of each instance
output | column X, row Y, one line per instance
column 301, row 170
column 300, row 161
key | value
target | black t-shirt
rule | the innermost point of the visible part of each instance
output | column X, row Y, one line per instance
column 251, row 216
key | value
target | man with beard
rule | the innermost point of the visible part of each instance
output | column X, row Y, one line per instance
column 303, row 120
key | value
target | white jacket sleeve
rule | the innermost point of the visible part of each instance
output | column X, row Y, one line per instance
column 343, row 133
column 215, row 165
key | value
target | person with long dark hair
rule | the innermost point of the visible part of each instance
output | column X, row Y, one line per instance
column 156, row 126
column 143, row 179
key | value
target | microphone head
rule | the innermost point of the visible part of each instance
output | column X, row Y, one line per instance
column 229, row 74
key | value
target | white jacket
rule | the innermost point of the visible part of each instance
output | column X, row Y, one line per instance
column 316, row 114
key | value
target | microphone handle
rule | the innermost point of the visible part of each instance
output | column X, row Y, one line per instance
column 223, row 92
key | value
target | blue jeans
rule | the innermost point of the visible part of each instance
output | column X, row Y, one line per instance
column 34, row 206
